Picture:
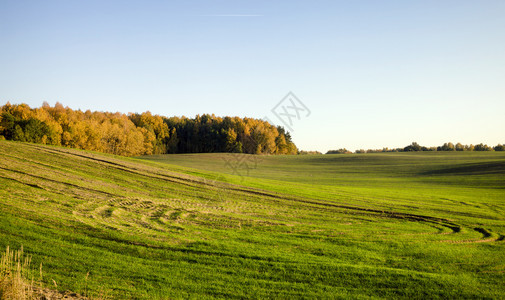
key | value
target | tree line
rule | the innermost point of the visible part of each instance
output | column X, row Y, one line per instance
column 141, row 134
column 416, row 147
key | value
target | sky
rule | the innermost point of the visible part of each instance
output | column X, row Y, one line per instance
column 362, row 74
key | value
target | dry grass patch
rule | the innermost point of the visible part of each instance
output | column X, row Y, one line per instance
column 14, row 269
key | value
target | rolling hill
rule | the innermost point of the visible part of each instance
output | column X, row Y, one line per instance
column 394, row 225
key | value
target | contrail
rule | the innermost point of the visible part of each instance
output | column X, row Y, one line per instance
column 232, row 15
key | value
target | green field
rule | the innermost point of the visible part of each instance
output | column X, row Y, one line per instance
column 387, row 225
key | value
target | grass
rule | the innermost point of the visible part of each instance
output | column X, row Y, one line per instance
column 394, row 225
column 14, row 271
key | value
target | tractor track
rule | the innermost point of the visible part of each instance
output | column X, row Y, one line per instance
column 190, row 181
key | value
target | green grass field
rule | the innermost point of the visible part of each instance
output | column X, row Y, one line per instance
column 392, row 225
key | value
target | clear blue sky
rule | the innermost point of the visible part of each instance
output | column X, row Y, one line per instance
column 372, row 73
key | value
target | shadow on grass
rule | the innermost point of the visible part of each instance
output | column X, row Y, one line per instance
column 496, row 167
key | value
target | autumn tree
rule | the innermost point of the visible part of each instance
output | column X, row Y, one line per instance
column 157, row 127
column 460, row 147
column 447, row 147
column 138, row 134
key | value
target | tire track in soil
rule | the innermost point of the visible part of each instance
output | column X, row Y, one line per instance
column 191, row 182
column 58, row 182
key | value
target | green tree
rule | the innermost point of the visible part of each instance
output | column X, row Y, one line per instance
column 35, row 131
column 412, row 147
column 18, row 134
column 499, row 147
column 339, row 151
column 483, row 147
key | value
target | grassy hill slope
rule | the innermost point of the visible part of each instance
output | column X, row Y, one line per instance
column 164, row 227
